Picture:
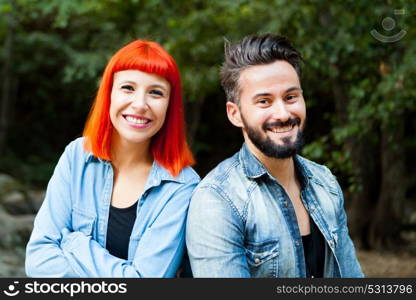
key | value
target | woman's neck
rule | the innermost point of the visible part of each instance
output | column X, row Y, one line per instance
column 127, row 155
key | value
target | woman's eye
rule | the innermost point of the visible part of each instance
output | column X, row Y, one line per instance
column 157, row 93
column 127, row 87
column 263, row 101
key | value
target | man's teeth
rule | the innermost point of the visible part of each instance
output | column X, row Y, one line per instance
column 282, row 129
column 136, row 120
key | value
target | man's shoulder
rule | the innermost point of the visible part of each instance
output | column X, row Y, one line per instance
column 222, row 173
column 318, row 173
column 313, row 167
column 224, row 186
column 227, row 178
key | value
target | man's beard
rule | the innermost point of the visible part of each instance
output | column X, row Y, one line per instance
column 268, row 147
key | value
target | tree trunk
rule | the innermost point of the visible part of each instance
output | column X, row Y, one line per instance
column 384, row 231
column 364, row 160
column 193, row 116
column 7, row 78
column 360, row 203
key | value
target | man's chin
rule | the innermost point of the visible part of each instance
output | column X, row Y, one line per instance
column 283, row 140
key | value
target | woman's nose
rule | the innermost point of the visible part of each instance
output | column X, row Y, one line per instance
column 139, row 102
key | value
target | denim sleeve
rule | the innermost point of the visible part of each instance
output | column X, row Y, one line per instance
column 215, row 236
column 349, row 265
column 44, row 257
column 159, row 252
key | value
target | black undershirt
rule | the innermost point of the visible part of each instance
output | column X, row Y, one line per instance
column 314, row 250
column 120, row 225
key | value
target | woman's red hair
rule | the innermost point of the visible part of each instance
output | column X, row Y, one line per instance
column 168, row 146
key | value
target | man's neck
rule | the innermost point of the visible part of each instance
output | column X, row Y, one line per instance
column 281, row 169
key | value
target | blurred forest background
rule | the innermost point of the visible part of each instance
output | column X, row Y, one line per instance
column 360, row 93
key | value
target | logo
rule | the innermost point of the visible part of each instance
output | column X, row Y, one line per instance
column 11, row 292
column 389, row 24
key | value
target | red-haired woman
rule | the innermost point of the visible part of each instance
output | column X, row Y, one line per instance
column 116, row 204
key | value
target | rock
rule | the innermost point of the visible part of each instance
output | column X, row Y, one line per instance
column 14, row 230
column 12, row 262
column 8, row 184
column 16, row 203
column 36, row 198
column 413, row 218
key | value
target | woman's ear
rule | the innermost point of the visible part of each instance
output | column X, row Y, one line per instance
column 233, row 114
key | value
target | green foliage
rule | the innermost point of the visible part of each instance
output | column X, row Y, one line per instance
column 61, row 47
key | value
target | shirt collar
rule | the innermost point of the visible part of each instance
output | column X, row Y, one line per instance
column 253, row 168
column 157, row 173
column 90, row 157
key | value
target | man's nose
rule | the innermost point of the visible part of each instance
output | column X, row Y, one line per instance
column 280, row 111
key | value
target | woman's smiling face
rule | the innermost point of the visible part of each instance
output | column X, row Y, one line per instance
column 139, row 102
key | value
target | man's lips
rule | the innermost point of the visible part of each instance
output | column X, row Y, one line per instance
column 281, row 127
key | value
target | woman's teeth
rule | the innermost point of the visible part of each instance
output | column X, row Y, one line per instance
column 137, row 120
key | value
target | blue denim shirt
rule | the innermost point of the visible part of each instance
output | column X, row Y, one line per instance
column 69, row 235
column 241, row 222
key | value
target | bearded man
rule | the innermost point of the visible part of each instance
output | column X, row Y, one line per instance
column 267, row 211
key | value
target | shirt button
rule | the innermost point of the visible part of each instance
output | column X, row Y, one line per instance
column 297, row 243
column 285, row 203
column 312, row 207
column 257, row 260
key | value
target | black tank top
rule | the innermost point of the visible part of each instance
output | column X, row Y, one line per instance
column 314, row 250
column 120, row 225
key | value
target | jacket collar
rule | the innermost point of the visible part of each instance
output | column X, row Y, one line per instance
column 253, row 168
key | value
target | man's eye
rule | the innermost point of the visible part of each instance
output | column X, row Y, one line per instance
column 157, row 93
column 127, row 87
column 263, row 101
column 291, row 97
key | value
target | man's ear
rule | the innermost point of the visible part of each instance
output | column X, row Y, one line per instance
column 233, row 114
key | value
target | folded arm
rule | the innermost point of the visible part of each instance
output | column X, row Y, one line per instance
column 44, row 257
column 158, row 254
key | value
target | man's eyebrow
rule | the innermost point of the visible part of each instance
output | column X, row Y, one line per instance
column 262, row 95
column 293, row 88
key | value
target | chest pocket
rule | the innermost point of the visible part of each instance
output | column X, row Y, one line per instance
column 263, row 257
column 83, row 222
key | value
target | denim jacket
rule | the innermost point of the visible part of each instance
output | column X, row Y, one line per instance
column 241, row 223
column 69, row 235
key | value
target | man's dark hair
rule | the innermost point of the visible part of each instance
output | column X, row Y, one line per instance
column 250, row 51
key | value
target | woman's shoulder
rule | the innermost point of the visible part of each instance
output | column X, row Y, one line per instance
column 188, row 174
column 76, row 150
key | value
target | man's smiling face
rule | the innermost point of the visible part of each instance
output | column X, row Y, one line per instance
column 271, row 109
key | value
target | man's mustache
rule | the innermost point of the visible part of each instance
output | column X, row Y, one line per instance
column 290, row 122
